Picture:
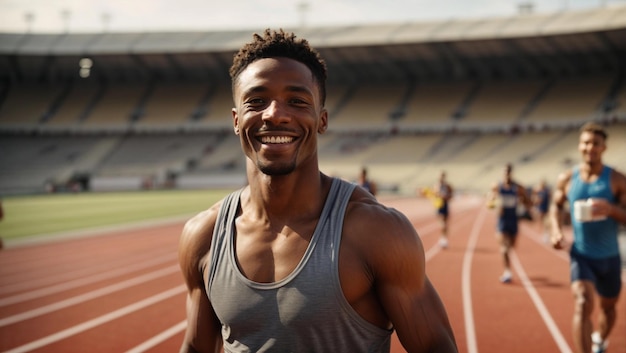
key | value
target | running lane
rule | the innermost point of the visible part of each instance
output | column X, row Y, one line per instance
column 122, row 292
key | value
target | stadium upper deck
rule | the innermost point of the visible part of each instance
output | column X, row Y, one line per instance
column 563, row 43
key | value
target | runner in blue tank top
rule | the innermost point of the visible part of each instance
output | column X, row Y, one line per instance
column 508, row 195
column 366, row 183
column 596, row 195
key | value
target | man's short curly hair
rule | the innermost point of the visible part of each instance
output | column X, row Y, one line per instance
column 595, row 129
column 283, row 44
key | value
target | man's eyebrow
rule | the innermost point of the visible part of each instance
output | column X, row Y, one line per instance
column 254, row 89
column 293, row 88
column 299, row 89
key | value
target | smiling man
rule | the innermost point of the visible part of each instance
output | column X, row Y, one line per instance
column 298, row 261
column 597, row 200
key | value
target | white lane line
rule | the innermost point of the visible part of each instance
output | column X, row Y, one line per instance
column 34, row 294
column 88, row 296
column 154, row 341
column 436, row 249
column 541, row 308
column 48, row 278
column 468, row 312
column 99, row 320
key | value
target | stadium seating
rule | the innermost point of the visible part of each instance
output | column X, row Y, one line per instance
column 172, row 105
column 117, row 107
column 433, row 106
column 74, row 107
column 570, row 101
column 401, row 161
column 407, row 100
column 498, row 104
column 28, row 104
column 369, row 107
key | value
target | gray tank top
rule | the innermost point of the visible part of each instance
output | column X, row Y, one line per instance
column 306, row 311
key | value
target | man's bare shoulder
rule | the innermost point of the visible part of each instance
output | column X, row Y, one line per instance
column 564, row 178
column 618, row 174
column 372, row 224
column 204, row 218
column 618, row 179
column 197, row 233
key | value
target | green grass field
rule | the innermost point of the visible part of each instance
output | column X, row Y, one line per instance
column 41, row 215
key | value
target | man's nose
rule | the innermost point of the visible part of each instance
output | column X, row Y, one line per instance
column 276, row 113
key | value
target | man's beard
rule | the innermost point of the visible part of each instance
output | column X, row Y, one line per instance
column 276, row 169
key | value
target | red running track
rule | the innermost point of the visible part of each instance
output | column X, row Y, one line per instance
column 121, row 291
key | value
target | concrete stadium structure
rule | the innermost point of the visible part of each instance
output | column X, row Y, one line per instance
column 111, row 111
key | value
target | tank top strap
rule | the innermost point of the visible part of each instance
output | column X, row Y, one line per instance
column 334, row 210
column 606, row 173
column 220, row 239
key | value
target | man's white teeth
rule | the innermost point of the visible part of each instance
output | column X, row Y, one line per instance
column 276, row 139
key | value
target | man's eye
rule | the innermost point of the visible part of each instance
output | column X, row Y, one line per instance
column 256, row 102
column 297, row 101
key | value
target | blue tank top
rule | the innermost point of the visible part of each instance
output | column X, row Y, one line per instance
column 508, row 202
column 304, row 312
column 596, row 239
column 544, row 199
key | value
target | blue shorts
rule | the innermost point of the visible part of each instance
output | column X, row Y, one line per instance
column 507, row 226
column 443, row 210
column 604, row 273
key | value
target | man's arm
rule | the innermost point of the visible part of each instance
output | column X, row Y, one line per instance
column 492, row 195
column 535, row 196
column 616, row 211
column 522, row 193
column 407, row 295
column 203, row 327
column 555, row 213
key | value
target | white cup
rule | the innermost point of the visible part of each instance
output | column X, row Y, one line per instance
column 583, row 211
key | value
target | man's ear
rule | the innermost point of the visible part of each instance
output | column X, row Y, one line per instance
column 235, row 121
column 323, row 122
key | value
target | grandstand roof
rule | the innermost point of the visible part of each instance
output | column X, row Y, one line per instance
column 563, row 43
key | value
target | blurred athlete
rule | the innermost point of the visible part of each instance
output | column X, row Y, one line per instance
column 297, row 261
column 506, row 196
column 541, row 200
column 366, row 183
column 596, row 195
column 444, row 192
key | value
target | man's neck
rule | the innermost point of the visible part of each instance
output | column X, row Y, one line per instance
column 289, row 196
column 592, row 168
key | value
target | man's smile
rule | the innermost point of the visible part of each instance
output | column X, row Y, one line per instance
column 276, row 139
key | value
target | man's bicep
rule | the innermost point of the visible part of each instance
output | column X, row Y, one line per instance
column 425, row 325
column 203, row 327
column 559, row 195
column 620, row 181
column 407, row 296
